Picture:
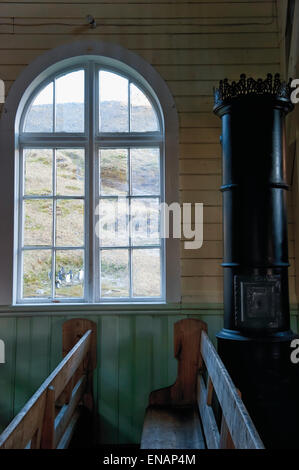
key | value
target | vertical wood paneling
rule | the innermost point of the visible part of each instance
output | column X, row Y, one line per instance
column 142, row 370
column 95, row 319
column 108, row 379
column 126, row 379
column 40, row 351
column 7, row 370
column 23, row 363
column 294, row 322
column 56, row 340
column 135, row 356
column 160, row 351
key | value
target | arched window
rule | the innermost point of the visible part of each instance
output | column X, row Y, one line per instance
column 91, row 180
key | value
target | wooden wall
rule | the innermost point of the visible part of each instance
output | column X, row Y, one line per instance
column 192, row 44
column 135, row 356
column 289, row 55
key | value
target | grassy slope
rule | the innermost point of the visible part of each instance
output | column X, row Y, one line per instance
column 69, row 221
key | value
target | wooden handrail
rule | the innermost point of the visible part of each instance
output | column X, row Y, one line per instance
column 38, row 425
column 235, row 416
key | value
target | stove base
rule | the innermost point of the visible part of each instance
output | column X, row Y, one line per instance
column 262, row 370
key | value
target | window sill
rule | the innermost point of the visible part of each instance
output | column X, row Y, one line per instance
column 85, row 308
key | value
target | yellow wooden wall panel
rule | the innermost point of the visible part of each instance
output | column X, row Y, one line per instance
column 210, row 198
column 138, row 10
column 194, row 135
column 200, row 151
column 157, row 57
column 211, row 215
column 194, row 267
column 194, row 103
column 187, row 25
column 198, row 119
column 192, row 44
column 211, row 56
column 213, row 249
column 212, row 231
column 214, row 71
column 203, row 166
column 210, row 249
column 204, row 182
column 211, row 267
column 195, row 285
column 27, row 37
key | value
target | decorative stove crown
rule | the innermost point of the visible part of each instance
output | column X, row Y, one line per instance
column 249, row 86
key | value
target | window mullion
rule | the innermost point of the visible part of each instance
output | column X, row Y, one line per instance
column 53, row 223
column 141, row 140
column 129, row 105
column 21, row 227
column 54, row 105
column 130, row 224
column 90, row 192
column 162, row 240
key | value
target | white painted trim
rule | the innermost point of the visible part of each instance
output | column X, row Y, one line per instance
column 32, row 76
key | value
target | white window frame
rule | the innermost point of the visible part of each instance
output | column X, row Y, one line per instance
column 32, row 77
column 91, row 140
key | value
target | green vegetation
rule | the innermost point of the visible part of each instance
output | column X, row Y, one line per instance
column 36, row 280
column 38, row 162
column 114, row 273
column 114, row 171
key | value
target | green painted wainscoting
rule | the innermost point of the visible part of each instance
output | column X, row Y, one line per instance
column 135, row 356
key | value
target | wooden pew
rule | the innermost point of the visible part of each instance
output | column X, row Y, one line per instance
column 182, row 416
column 49, row 418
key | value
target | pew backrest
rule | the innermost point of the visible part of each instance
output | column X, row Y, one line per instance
column 198, row 358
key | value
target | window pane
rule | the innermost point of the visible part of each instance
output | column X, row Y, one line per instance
column 143, row 115
column 70, row 172
column 38, row 171
column 113, row 172
column 70, row 223
column 127, row 185
column 114, row 273
column 145, row 169
column 145, row 221
column 69, row 273
column 69, row 97
column 146, row 273
column 38, row 222
column 37, row 273
column 40, row 114
column 113, row 226
column 114, row 111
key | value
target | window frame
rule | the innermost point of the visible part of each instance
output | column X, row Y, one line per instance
column 91, row 140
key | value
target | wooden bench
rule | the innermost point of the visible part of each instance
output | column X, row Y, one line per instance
column 182, row 416
column 49, row 418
